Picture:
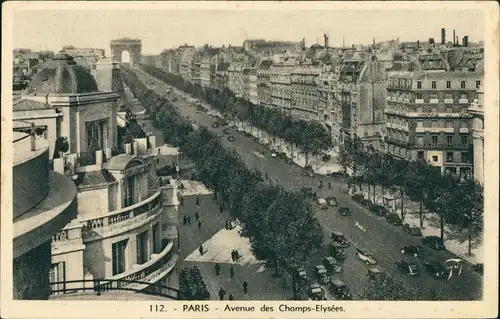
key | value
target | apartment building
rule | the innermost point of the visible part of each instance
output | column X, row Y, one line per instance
column 281, row 88
column 477, row 112
column 305, row 95
column 427, row 117
column 235, row 78
column 264, row 83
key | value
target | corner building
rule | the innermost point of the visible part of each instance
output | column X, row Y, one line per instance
column 427, row 118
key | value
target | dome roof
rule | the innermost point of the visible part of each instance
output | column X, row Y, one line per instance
column 62, row 74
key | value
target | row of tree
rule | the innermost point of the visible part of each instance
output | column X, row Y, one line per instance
column 280, row 224
column 310, row 137
column 458, row 201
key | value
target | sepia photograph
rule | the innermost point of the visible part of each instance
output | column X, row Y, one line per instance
column 250, row 159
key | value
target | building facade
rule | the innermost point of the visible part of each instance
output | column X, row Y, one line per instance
column 281, row 88
column 477, row 111
column 264, row 83
column 304, row 80
column 427, row 117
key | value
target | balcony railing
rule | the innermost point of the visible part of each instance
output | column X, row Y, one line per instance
column 123, row 214
column 433, row 101
column 463, row 101
column 142, row 271
column 419, row 101
column 448, row 101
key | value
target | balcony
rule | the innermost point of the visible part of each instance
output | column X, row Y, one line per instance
column 464, row 130
column 388, row 98
column 448, row 101
column 463, row 101
column 433, row 101
column 419, row 101
column 406, row 100
column 394, row 99
column 434, row 129
column 400, row 100
column 117, row 221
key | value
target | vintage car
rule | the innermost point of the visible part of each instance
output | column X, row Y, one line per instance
column 413, row 230
column 344, row 211
column 409, row 268
column 315, row 292
column 332, row 265
column 340, row 238
column 339, row 289
column 337, row 251
column 321, row 273
column 322, row 203
column 332, row 201
column 375, row 273
column 230, row 138
column 379, row 210
column 437, row 270
column 302, row 275
column 357, row 197
column 393, row 219
column 434, row 242
column 415, row 251
column 365, row 256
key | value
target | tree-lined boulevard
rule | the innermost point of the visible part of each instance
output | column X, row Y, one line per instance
column 284, row 227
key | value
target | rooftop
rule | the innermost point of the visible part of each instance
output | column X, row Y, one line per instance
column 28, row 105
column 22, row 147
column 94, row 178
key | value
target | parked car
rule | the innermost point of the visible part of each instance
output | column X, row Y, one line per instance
column 332, row 265
column 282, row 155
column 344, row 211
column 332, row 201
column 226, row 131
column 393, row 219
column 379, row 210
column 302, row 275
column 307, row 191
column 340, row 238
column 409, row 268
column 274, row 153
column 366, row 203
column 415, row 251
column 339, row 289
column 315, row 292
column 413, row 230
column 337, row 174
column 321, row 273
column 219, row 135
column 223, row 122
column 289, row 160
column 357, row 197
column 322, row 203
column 230, row 138
column 215, row 124
column 376, row 272
column 434, row 242
column 337, row 251
column 365, row 256
column 326, row 157
column 437, row 270
column 479, row 268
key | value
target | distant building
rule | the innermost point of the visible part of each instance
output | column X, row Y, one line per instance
column 264, row 83
column 305, row 95
column 427, row 117
column 281, row 88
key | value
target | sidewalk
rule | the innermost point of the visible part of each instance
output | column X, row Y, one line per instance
column 218, row 244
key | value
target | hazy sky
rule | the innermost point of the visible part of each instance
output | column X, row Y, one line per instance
column 160, row 29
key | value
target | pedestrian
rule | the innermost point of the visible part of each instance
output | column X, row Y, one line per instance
column 245, row 287
column 233, row 257
column 236, row 255
column 189, row 220
column 184, row 219
column 199, row 224
column 222, row 293
column 217, row 269
column 227, row 225
column 221, row 209
column 201, row 250
column 231, row 297
column 231, row 271
column 197, row 216
column 197, row 201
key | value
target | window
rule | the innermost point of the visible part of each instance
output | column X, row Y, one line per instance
column 420, row 141
column 419, row 96
column 462, row 84
column 463, row 96
column 448, row 84
column 420, row 109
column 434, row 124
column 463, row 124
column 448, row 96
column 119, row 250
column 465, row 157
column 57, row 274
column 142, row 247
column 434, row 158
column 420, row 154
column 433, row 84
column 128, row 196
column 449, row 157
column 96, row 134
column 434, row 140
column 419, row 84
column 463, row 110
column 449, row 124
column 434, row 96
column 449, row 140
column 463, row 140
column 478, row 84
column 449, row 109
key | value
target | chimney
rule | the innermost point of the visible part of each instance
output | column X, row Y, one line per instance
column 456, row 42
column 98, row 158
column 326, row 40
column 466, row 41
column 454, row 37
column 374, row 41
column 343, row 42
column 443, row 36
column 32, row 137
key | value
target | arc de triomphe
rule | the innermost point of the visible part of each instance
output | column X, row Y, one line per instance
column 133, row 46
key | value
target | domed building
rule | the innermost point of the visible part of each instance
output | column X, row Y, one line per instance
column 83, row 115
